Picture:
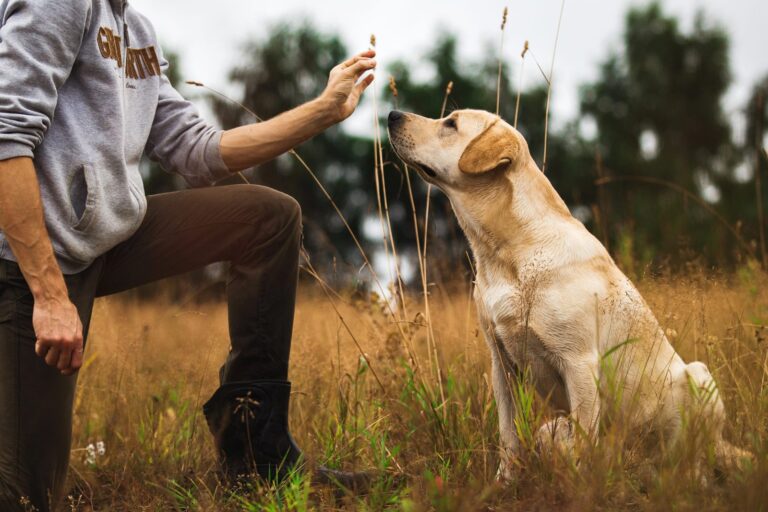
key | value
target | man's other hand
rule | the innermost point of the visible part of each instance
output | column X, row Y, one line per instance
column 343, row 90
column 59, row 334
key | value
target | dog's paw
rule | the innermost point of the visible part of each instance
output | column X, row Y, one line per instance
column 555, row 435
column 506, row 473
column 508, row 466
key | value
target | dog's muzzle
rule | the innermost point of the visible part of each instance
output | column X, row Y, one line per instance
column 395, row 119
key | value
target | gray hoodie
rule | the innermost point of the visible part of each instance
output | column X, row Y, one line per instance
column 83, row 92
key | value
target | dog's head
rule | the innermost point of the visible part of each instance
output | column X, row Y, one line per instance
column 466, row 147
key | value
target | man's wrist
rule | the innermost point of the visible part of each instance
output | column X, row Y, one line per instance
column 48, row 285
column 329, row 110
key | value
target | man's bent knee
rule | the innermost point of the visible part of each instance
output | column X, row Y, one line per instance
column 274, row 214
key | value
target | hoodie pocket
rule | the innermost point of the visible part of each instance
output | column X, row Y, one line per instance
column 84, row 197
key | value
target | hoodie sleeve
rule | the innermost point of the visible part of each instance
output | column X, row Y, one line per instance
column 39, row 43
column 181, row 141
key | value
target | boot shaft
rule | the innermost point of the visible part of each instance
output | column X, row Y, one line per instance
column 249, row 423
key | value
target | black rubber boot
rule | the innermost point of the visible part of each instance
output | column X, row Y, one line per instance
column 249, row 423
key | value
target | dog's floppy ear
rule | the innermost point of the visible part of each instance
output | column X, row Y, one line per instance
column 494, row 147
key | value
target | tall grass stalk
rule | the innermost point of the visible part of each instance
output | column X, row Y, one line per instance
column 377, row 181
column 501, row 59
column 385, row 221
column 549, row 86
column 425, row 267
column 759, row 107
column 520, row 83
column 421, row 260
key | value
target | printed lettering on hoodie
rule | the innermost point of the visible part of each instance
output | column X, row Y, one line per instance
column 140, row 63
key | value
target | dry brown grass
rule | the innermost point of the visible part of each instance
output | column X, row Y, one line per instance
column 151, row 365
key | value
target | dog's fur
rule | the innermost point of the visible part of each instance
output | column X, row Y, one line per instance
column 549, row 296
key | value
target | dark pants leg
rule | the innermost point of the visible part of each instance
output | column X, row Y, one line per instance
column 255, row 228
column 258, row 230
column 35, row 399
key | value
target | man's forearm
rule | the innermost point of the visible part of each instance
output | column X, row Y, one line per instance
column 21, row 220
column 254, row 144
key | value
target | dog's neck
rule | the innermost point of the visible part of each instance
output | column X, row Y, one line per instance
column 508, row 222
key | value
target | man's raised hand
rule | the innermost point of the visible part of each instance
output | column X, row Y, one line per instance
column 343, row 90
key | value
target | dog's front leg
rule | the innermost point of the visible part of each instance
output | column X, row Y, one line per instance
column 503, row 378
column 581, row 381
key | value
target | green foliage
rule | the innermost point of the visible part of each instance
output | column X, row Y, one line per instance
column 667, row 86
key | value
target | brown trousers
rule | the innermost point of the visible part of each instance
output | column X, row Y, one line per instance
column 255, row 228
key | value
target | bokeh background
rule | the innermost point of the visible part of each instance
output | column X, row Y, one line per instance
column 656, row 131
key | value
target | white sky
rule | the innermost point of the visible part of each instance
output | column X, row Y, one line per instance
column 208, row 35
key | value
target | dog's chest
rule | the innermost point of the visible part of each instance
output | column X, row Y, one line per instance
column 501, row 303
column 507, row 312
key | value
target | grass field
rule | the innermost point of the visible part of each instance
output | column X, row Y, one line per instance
column 152, row 363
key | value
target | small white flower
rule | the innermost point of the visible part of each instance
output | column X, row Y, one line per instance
column 101, row 449
column 90, row 454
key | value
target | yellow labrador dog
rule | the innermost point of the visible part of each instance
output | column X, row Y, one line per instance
column 549, row 296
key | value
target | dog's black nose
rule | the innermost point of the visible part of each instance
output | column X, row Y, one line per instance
column 395, row 117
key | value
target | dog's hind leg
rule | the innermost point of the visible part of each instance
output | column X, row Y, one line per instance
column 697, row 399
column 707, row 400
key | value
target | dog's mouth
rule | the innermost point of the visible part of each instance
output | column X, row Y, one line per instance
column 425, row 170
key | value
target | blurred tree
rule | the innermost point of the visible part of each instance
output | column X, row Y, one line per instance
column 746, row 176
column 657, row 105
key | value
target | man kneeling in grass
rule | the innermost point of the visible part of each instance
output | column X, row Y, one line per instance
column 83, row 93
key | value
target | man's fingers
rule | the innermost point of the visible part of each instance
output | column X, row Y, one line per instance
column 65, row 359
column 77, row 359
column 363, row 85
column 41, row 349
column 363, row 55
column 360, row 67
column 52, row 357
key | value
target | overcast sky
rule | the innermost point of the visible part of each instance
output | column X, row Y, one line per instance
column 208, row 35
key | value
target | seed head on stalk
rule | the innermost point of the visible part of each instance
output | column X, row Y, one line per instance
column 393, row 89
column 501, row 59
column 448, row 91
column 393, row 86
column 526, row 46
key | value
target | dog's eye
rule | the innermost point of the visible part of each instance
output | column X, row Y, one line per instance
column 450, row 123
